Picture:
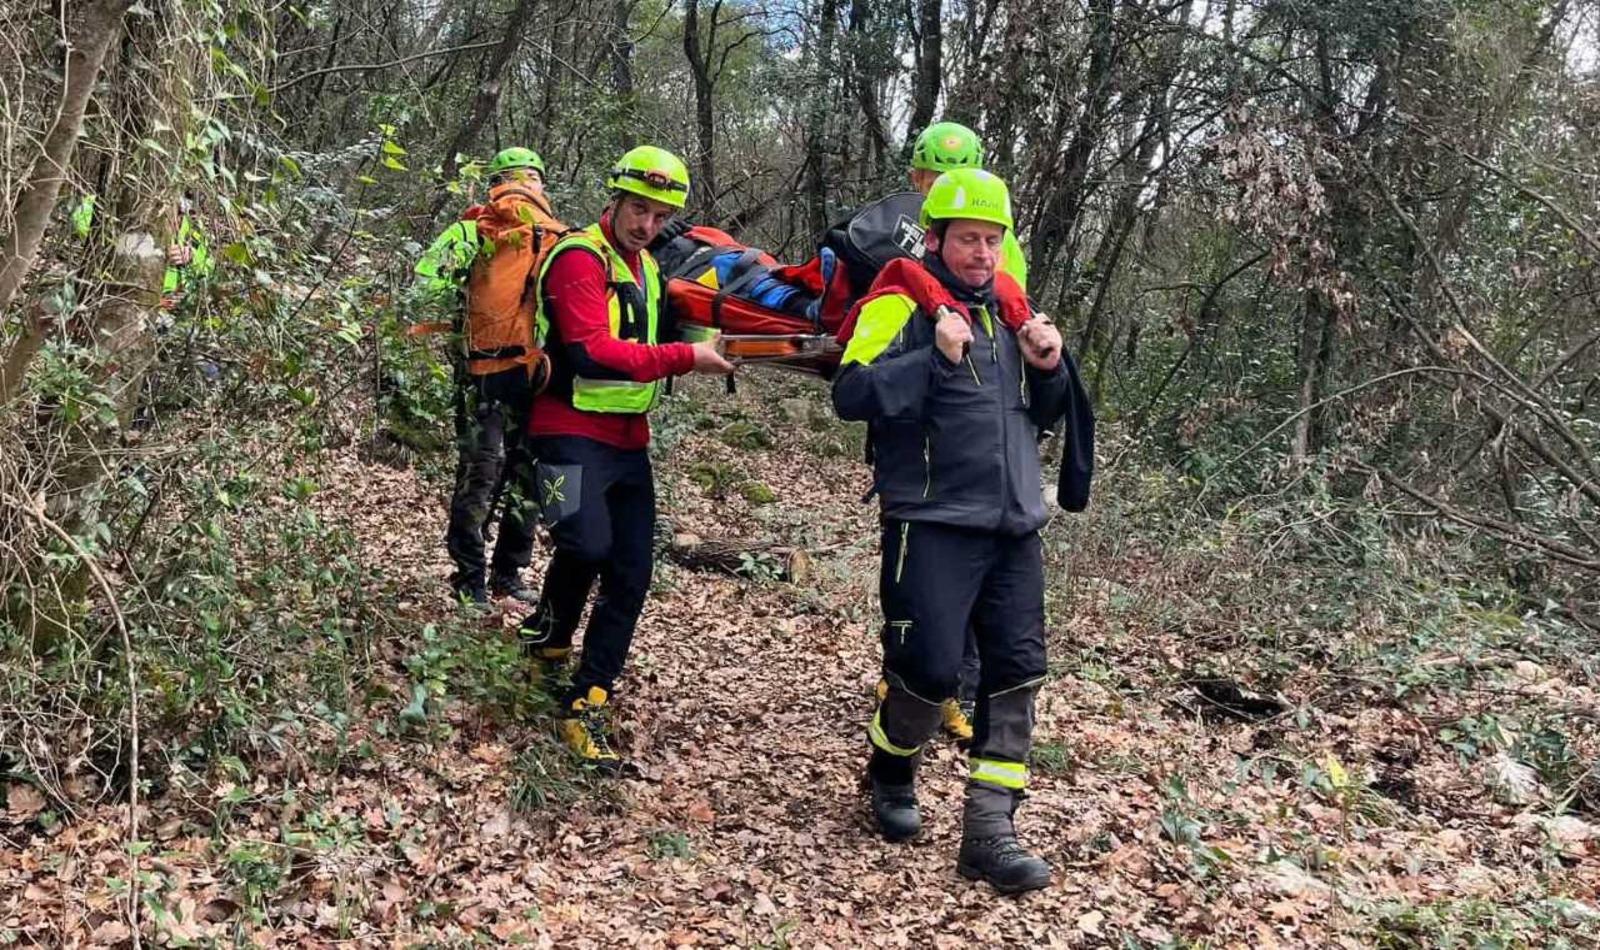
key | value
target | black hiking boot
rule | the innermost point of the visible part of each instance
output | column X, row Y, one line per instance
column 895, row 809
column 471, row 595
column 511, row 585
column 1005, row 864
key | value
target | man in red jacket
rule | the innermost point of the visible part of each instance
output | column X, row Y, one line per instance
column 601, row 301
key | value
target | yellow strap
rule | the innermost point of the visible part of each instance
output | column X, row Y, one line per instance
column 875, row 733
column 1012, row 775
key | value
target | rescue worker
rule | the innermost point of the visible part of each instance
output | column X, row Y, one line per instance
column 945, row 146
column 942, row 147
column 956, row 376
column 497, row 374
column 601, row 319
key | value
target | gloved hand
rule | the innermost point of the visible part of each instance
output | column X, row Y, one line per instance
column 675, row 228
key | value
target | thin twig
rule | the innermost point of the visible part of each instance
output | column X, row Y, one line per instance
column 368, row 67
column 1504, row 531
column 1408, row 371
column 36, row 512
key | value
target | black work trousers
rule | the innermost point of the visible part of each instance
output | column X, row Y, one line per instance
column 935, row 581
column 939, row 585
column 492, row 463
column 600, row 505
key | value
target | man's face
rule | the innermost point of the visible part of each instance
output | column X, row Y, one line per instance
column 922, row 179
column 530, row 178
column 970, row 249
column 636, row 220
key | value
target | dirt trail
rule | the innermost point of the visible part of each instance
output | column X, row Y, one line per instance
column 744, row 706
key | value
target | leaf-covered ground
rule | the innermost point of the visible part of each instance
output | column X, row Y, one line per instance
column 1336, row 822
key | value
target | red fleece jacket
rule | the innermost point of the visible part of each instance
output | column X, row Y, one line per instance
column 580, row 318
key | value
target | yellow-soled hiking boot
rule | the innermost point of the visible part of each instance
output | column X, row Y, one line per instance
column 958, row 721
column 547, row 662
column 549, row 665
column 582, row 729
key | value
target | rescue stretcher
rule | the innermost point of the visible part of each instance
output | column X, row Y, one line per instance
column 719, row 289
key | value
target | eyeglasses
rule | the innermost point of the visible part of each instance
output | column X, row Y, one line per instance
column 655, row 179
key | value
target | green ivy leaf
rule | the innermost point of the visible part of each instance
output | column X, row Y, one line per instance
column 83, row 216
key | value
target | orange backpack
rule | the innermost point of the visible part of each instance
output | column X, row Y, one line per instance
column 515, row 231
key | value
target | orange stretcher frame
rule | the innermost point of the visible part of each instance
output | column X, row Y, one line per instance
column 750, row 333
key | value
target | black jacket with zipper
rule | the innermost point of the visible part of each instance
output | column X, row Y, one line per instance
column 952, row 443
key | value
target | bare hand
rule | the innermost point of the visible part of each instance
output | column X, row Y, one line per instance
column 179, row 255
column 952, row 334
column 1040, row 342
column 708, row 360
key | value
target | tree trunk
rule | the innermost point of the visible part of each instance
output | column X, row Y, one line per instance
column 817, row 120
column 791, row 565
column 867, row 75
column 1314, row 359
column 928, row 38
column 705, row 171
column 124, row 350
column 36, row 323
column 484, row 102
column 622, row 72
column 1060, row 212
column 88, row 39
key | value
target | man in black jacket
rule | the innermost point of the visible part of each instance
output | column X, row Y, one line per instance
column 956, row 377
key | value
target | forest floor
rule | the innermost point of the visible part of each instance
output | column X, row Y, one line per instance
column 451, row 821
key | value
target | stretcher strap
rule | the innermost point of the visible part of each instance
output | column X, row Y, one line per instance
column 696, row 259
column 744, row 272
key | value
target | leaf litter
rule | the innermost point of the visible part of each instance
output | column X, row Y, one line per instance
column 743, row 706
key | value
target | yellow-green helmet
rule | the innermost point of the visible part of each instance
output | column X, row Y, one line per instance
column 943, row 146
column 971, row 194
column 509, row 159
column 653, row 173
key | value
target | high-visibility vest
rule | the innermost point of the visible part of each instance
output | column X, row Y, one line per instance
column 635, row 312
column 444, row 265
column 1012, row 260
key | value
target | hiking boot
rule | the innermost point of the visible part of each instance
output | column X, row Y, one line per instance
column 1005, row 864
column 957, row 721
column 583, row 729
column 471, row 595
column 548, row 666
column 895, row 809
column 511, row 585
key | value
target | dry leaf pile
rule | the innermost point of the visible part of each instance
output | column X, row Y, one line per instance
column 743, row 708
